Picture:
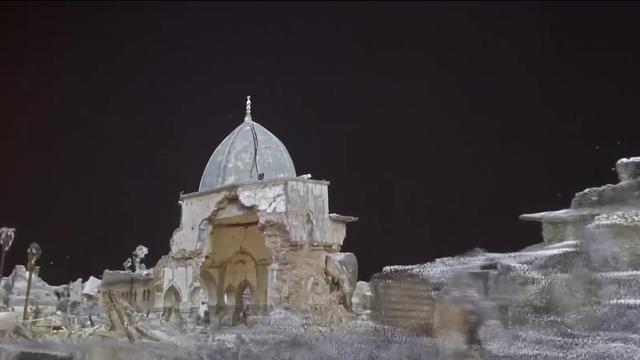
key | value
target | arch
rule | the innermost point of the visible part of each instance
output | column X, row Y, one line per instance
column 230, row 295
column 244, row 295
column 175, row 285
column 241, row 267
column 210, row 286
column 172, row 298
column 237, row 235
column 244, row 300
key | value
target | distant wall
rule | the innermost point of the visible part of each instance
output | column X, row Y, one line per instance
column 402, row 300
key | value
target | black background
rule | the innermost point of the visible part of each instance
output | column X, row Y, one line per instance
column 436, row 123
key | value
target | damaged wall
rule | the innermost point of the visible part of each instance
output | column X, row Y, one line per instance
column 193, row 211
column 402, row 300
column 273, row 236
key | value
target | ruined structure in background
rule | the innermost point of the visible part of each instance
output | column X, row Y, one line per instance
column 43, row 295
column 255, row 237
column 134, row 284
column 136, row 288
column 402, row 300
column 52, row 310
column 586, row 269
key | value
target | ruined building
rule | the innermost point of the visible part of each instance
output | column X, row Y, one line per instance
column 586, row 270
column 256, row 237
column 136, row 288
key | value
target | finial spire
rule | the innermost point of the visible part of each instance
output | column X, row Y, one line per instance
column 247, row 116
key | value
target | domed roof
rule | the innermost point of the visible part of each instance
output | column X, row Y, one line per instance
column 248, row 151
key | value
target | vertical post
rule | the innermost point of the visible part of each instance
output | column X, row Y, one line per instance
column 131, row 302
column 4, row 253
column 33, row 253
column 5, row 299
column 26, row 299
column 7, row 235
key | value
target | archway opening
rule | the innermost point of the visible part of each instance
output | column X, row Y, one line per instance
column 172, row 298
column 246, row 297
column 244, row 301
column 209, row 287
column 237, row 253
column 230, row 296
column 171, row 303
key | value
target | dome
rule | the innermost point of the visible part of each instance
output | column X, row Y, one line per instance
column 248, row 151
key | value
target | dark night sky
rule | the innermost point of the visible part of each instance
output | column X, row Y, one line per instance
column 437, row 124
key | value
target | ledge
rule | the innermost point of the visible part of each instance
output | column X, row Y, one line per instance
column 343, row 218
column 566, row 215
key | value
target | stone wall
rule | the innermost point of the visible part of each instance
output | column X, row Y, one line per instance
column 137, row 289
column 284, row 227
column 402, row 300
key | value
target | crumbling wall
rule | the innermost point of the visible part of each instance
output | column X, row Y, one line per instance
column 194, row 210
column 189, row 245
column 299, row 241
column 294, row 236
column 614, row 242
column 342, row 270
column 361, row 299
column 41, row 293
column 337, row 233
column 236, row 238
column 624, row 194
column 628, row 168
column 299, row 283
column 282, row 216
column 174, row 269
column 402, row 300
column 135, row 287
column 307, row 216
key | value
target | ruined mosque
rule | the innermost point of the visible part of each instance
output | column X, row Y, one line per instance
column 255, row 237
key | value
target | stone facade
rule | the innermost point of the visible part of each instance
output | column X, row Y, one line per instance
column 136, row 288
column 247, row 244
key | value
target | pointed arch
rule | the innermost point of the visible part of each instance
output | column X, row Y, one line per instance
column 245, row 294
column 240, row 267
column 209, row 285
column 174, row 284
column 230, row 295
column 172, row 297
